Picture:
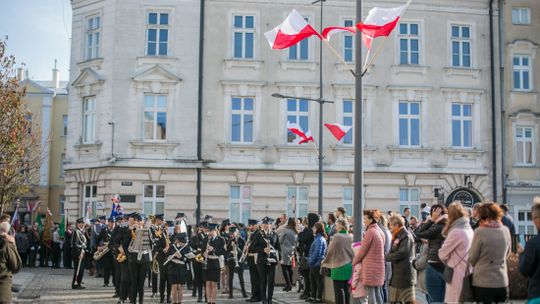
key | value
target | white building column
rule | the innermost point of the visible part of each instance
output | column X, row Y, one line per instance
column 46, row 109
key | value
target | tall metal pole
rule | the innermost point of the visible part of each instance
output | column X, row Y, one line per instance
column 320, row 201
column 358, row 129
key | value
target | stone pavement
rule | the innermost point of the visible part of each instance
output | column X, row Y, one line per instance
column 47, row 285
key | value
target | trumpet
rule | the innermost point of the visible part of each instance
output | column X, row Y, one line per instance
column 244, row 252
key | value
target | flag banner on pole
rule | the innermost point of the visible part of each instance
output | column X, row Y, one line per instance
column 339, row 131
column 293, row 30
column 47, row 231
column 380, row 22
column 38, row 221
column 62, row 228
column 36, row 206
column 116, row 209
column 302, row 137
column 15, row 218
column 331, row 30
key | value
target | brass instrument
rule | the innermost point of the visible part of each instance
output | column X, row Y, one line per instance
column 102, row 251
column 121, row 257
column 235, row 255
column 199, row 258
column 245, row 251
column 179, row 251
column 270, row 249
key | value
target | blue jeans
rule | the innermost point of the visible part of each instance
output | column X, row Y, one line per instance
column 435, row 285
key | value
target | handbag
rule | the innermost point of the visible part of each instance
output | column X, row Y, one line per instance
column 448, row 274
column 467, row 290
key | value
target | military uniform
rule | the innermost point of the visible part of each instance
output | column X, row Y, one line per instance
column 78, row 250
column 197, row 243
column 213, row 266
column 252, row 264
column 235, row 246
column 106, row 262
column 266, row 262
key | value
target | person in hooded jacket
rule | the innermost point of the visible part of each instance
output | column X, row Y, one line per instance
column 317, row 252
column 305, row 239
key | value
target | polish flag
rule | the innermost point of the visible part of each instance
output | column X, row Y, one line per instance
column 302, row 137
column 36, row 206
column 380, row 22
column 294, row 29
column 304, row 140
column 331, row 30
column 337, row 130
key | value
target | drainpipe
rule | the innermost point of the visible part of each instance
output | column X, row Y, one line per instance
column 199, row 111
column 503, row 106
column 493, row 113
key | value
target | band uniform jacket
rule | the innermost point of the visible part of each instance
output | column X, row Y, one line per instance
column 218, row 245
column 261, row 241
column 240, row 243
column 79, row 243
column 252, row 254
column 197, row 243
column 159, row 244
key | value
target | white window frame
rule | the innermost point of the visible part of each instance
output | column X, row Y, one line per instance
column 242, row 202
column 523, row 141
column 351, row 116
column 243, row 30
column 154, row 199
column 155, row 109
column 410, row 117
column 408, row 203
column 461, row 40
column 158, row 27
column 409, row 37
column 462, row 118
column 297, row 114
column 62, row 204
column 89, row 120
column 92, row 50
column 521, row 69
column 348, row 203
column 526, row 224
column 89, row 200
column 298, row 47
column 293, row 203
column 345, row 36
column 522, row 12
column 242, row 112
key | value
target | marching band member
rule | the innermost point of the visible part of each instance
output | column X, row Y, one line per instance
column 79, row 247
column 213, row 252
column 178, row 270
column 224, row 233
column 266, row 244
column 235, row 247
column 197, row 242
column 106, row 262
column 156, row 230
column 139, row 257
column 252, row 262
column 114, row 244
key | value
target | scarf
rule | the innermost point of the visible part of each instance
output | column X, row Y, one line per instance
column 339, row 251
column 491, row 224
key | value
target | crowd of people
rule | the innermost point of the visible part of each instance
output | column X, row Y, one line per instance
column 449, row 255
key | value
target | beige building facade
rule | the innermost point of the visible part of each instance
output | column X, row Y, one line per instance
column 133, row 104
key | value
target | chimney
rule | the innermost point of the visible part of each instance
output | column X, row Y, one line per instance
column 20, row 74
column 55, row 77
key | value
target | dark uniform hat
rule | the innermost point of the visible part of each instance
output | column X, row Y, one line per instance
column 136, row 216
column 102, row 218
column 253, row 222
column 182, row 237
column 204, row 224
column 80, row 221
column 170, row 223
column 208, row 218
column 226, row 222
column 112, row 219
column 92, row 221
column 267, row 220
column 119, row 217
column 212, row 226
column 180, row 214
column 233, row 229
column 159, row 216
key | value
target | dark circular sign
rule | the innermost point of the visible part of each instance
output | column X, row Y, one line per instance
column 467, row 197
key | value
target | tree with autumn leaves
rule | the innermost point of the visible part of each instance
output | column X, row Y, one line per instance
column 20, row 147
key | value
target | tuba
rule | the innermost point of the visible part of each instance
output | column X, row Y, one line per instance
column 102, row 251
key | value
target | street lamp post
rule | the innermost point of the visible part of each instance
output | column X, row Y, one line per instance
column 358, row 140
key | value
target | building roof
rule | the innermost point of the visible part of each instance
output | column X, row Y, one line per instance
column 49, row 85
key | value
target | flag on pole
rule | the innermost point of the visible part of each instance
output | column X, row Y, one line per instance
column 15, row 218
column 304, row 140
column 47, row 231
column 302, row 137
column 116, row 208
column 293, row 30
column 38, row 221
column 380, row 22
column 331, row 30
column 338, row 130
column 62, row 228
column 36, row 206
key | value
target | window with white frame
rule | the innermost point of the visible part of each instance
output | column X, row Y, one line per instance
column 461, row 125
column 89, row 119
column 89, row 201
column 300, row 51
column 521, row 15
column 461, row 46
column 155, row 117
column 348, row 199
column 409, row 198
column 524, row 145
column 62, row 161
column 154, row 199
column 409, row 124
column 524, row 221
column 157, row 34
column 243, row 36
column 522, row 72
column 297, row 112
column 240, row 203
column 348, row 42
column 297, row 201
column 242, row 119
column 409, row 43
column 348, row 113
column 62, row 204
column 64, row 125
column 93, row 38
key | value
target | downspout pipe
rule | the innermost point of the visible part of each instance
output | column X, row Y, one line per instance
column 493, row 112
column 200, row 111
column 504, row 179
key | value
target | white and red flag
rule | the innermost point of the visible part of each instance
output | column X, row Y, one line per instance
column 338, row 130
column 331, row 30
column 302, row 137
column 293, row 30
column 380, row 22
column 36, row 206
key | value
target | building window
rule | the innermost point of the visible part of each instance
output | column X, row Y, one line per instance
column 297, row 201
column 300, row 51
column 243, row 36
column 89, row 201
column 525, row 223
column 62, row 161
column 409, row 124
column 297, row 112
column 522, row 72
column 348, row 199
column 154, row 199
column 524, row 146
column 348, row 42
column 348, row 121
column 89, row 119
column 157, row 34
column 461, row 46
column 461, row 125
column 521, row 15
column 240, row 203
column 93, row 38
column 62, row 204
column 64, row 125
column 155, row 117
column 409, row 46
column 242, row 119
column 409, row 198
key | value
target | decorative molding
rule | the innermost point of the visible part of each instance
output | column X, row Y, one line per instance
column 242, row 87
column 299, row 65
column 410, row 70
column 241, row 177
column 246, row 63
column 154, row 175
column 410, row 180
column 462, row 72
column 156, row 60
column 298, row 178
column 96, row 63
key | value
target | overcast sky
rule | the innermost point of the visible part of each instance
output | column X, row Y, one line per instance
column 38, row 32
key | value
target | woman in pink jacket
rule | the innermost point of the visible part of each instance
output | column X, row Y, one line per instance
column 371, row 255
column 454, row 251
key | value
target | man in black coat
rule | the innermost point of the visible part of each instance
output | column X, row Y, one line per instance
column 103, row 239
column 67, row 247
column 266, row 245
column 252, row 262
column 78, row 250
column 305, row 239
column 197, row 242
